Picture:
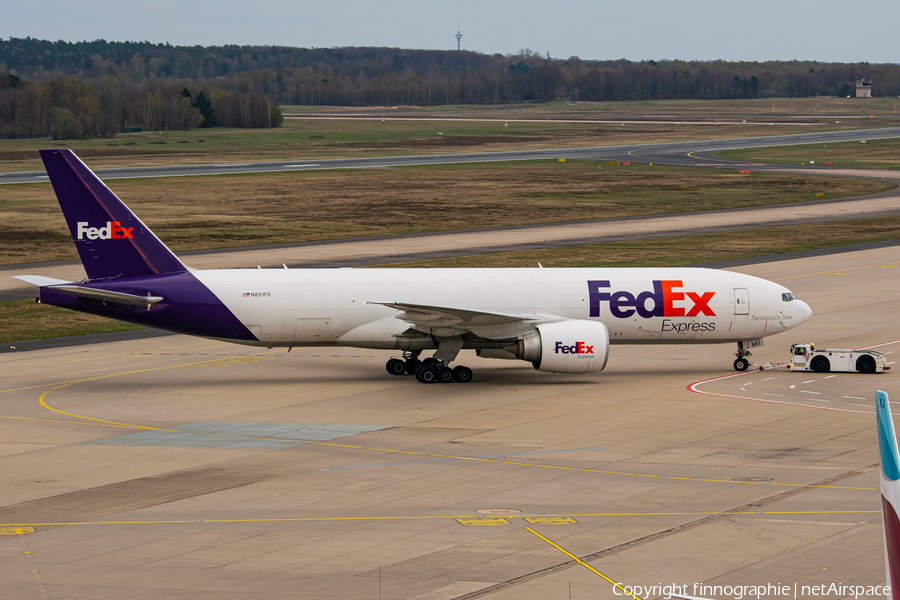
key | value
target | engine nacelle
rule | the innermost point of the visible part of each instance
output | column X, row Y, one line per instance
column 565, row 347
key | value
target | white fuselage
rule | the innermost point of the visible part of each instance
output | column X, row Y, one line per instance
column 322, row 307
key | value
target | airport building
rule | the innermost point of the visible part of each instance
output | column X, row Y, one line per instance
column 863, row 88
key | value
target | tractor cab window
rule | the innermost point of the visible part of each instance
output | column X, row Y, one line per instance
column 788, row 297
column 800, row 351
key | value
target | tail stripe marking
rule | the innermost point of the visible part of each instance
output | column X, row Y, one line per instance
column 892, row 541
column 887, row 439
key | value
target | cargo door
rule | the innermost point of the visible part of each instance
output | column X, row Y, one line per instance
column 313, row 330
column 741, row 301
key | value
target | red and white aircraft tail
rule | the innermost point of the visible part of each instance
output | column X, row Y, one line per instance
column 889, row 459
column 890, row 491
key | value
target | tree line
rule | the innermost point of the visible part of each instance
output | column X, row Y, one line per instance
column 70, row 108
column 388, row 76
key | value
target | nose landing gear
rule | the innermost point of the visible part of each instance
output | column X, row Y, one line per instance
column 743, row 362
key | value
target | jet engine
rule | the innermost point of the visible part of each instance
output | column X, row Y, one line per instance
column 565, row 347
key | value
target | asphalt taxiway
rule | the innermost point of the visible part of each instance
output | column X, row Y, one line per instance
column 662, row 153
column 182, row 468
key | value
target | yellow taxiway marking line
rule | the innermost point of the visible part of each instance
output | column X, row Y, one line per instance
column 691, row 154
column 483, row 522
column 20, row 530
column 584, row 564
column 550, row 520
column 71, row 381
column 560, row 516
column 107, row 423
column 832, row 272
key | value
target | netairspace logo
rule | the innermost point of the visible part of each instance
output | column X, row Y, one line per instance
column 741, row 592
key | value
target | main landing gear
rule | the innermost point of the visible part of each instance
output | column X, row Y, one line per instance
column 743, row 362
column 429, row 370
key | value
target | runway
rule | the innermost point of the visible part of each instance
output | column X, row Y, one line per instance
column 669, row 153
column 182, row 468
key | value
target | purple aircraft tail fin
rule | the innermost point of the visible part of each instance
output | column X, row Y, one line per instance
column 110, row 239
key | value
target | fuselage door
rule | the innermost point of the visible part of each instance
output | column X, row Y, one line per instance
column 313, row 330
column 741, row 301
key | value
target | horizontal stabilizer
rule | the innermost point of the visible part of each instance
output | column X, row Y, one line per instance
column 40, row 280
column 107, row 295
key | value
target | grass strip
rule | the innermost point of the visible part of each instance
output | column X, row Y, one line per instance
column 190, row 213
column 684, row 250
column 874, row 154
column 27, row 320
column 312, row 138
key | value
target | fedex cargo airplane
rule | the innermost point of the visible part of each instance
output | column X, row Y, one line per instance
column 560, row 320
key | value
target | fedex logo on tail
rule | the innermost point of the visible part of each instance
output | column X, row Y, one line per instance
column 577, row 348
column 665, row 300
column 112, row 231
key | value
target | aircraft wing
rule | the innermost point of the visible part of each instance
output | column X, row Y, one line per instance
column 450, row 316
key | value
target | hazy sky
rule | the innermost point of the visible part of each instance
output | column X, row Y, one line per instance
column 823, row 30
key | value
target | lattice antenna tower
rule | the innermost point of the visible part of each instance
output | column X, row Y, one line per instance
column 458, row 38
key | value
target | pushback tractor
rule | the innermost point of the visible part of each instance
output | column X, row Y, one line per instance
column 805, row 357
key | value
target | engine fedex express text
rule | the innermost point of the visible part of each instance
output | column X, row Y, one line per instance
column 661, row 300
column 112, row 231
column 577, row 348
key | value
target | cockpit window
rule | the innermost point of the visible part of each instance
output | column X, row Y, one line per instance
column 788, row 297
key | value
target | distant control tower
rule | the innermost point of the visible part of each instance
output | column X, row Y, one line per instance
column 458, row 38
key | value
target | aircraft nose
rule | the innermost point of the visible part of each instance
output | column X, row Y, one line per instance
column 807, row 312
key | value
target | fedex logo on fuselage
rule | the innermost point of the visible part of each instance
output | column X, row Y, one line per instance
column 577, row 348
column 112, row 231
column 665, row 300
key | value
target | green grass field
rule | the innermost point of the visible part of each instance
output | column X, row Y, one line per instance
column 315, row 137
column 685, row 250
column 27, row 320
column 760, row 107
column 191, row 213
column 874, row 154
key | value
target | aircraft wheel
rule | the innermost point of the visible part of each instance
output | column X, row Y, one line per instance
column 445, row 375
column 396, row 366
column 428, row 362
column 741, row 364
column 820, row 364
column 426, row 375
column 462, row 374
column 412, row 365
